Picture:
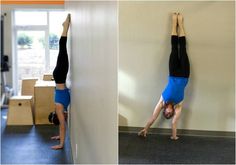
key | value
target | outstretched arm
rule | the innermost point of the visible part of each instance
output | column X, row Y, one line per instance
column 151, row 120
column 178, row 110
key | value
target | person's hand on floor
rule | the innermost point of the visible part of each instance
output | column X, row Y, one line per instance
column 174, row 138
column 143, row 133
column 57, row 147
column 55, row 137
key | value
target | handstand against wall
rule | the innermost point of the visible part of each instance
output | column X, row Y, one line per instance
column 62, row 94
column 171, row 100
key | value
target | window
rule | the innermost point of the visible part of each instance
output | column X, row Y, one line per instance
column 30, row 18
column 36, row 34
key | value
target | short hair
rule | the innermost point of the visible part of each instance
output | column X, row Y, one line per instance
column 171, row 115
column 52, row 118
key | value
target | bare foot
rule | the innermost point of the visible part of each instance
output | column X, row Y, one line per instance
column 180, row 19
column 57, row 147
column 181, row 25
column 66, row 23
column 55, row 137
column 174, row 19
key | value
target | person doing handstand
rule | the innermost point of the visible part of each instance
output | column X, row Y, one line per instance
column 62, row 93
column 171, row 100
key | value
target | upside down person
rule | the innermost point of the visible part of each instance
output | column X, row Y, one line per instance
column 171, row 100
column 62, row 93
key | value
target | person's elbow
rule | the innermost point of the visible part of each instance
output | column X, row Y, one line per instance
column 174, row 123
column 62, row 123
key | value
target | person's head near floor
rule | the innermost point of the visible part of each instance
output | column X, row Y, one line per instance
column 53, row 118
column 168, row 111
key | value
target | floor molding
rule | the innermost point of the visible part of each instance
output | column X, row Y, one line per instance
column 124, row 129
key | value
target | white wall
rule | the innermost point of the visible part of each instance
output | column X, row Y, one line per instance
column 144, row 32
column 94, row 81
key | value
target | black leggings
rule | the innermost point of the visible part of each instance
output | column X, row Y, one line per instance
column 179, row 63
column 61, row 69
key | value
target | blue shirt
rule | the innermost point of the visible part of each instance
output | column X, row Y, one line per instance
column 174, row 91
column 62, row 97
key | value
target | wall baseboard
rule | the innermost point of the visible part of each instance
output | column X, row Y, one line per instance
column 123, row 129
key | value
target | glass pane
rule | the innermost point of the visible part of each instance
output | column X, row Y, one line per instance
column 56, row 18
column 30, row 54
column 30, row 17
